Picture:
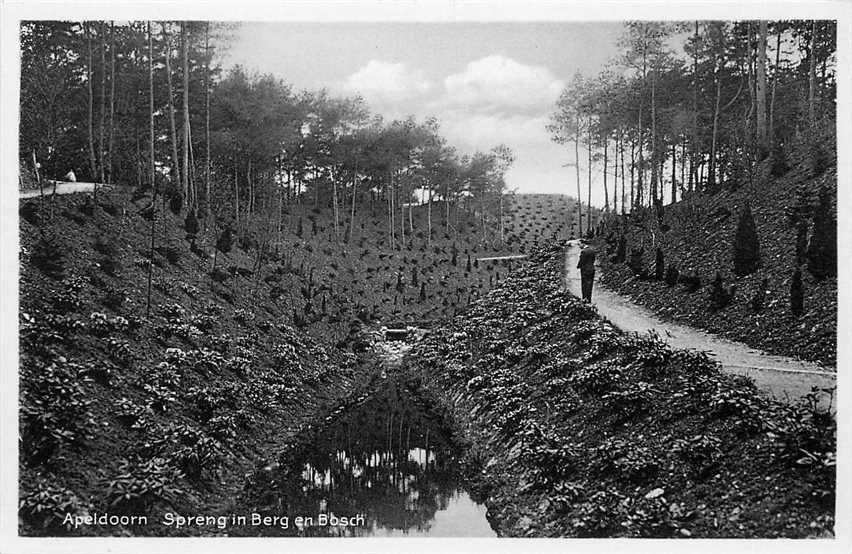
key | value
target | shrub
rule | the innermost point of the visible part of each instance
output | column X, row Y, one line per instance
column 131, row 414
column 621, row 250
column 720, row 297
column 54, row 411
column 822, row 250
column 47, row 255
column 672, row 275
column 189, row 450
column 797, row 294
column 778, row 161
column 175, row 202
column 692, row 282
column 801, row 242
column 746, row 245
column 141, row 483
column 170, row 253
column 758, row 300
column 225, row 241
column 45, row 506
column 636, row 265
column 190, row 225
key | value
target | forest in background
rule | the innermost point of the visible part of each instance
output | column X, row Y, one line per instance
column 692, row 107
column 147, row 104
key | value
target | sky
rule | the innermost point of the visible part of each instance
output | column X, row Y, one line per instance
column 487, row 83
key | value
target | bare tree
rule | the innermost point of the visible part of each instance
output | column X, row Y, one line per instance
column 151, row 164
column 172, row 127
column 761, row 86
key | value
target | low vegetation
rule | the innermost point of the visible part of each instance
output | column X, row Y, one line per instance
column 578, row 429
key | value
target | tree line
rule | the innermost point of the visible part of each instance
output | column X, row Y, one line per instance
column 691, row 107
column 147, row 104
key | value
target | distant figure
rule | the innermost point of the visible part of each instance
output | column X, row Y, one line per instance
column 70, row 176
column 586, row 265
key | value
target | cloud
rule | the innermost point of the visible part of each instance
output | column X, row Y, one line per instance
column 482, row 131
column 499, row 83
column 384, row 84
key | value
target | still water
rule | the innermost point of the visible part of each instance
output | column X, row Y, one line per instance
column 388, row 457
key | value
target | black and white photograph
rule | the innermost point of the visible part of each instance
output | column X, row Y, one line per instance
column 440, row 274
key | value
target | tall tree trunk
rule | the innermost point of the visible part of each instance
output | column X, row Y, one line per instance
column 102, row 123
column 774, row 83
column 352, row 213
column 812, row 76
column 447, row 207
column 429, row 217
column 89, row 74
column 207, row 122
column 151, row 164
column 656, row 178
column 605, row 167
column 761, row 88
column 172, row 126
column 683, row 163
column 402, row 203
column 752, row 96
column 711, row 171
column 236, row 195
column 674, row 171
column 589, row 209
column 111, row 97
column 634, row 201
column 577, row 170
column 501, row 219
column 693, row 165
column 185, row 55
column 623, row 175
column 641, row 146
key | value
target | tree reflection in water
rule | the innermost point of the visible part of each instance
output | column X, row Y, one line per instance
column 390, row 458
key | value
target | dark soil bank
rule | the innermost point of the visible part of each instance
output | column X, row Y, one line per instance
column 579, row 430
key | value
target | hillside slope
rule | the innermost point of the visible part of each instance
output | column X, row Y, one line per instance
column 696, row 236
column 127, row 412
column 577, row 429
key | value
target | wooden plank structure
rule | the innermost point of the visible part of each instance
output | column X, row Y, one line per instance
column 498, row 258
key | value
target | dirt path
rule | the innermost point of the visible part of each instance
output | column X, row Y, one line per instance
column 783, row 377
column 62, row 188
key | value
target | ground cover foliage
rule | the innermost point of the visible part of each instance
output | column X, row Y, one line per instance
column 578, row 429
column 129, row 412
column 755, row 263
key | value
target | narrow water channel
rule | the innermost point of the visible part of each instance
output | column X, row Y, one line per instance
column 388, row 457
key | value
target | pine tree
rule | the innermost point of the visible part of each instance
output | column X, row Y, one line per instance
column 759, row 299
column 801, row 242
column 660, row 267
column 223, row 244
column 190, row 225
column 746, row 245
column 621, row 250
column 797, row 294
column 672, row 275
column 822, row 249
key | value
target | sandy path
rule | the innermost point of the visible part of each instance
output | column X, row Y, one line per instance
column 783, row 377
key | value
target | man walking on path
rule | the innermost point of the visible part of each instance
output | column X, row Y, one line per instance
column 586, row 266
